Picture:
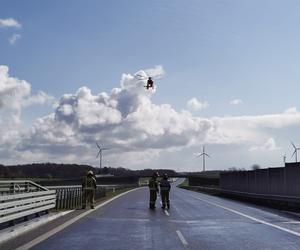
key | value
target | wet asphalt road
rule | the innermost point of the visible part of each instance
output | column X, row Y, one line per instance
column 195, row 221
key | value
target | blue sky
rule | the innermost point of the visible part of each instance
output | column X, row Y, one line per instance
column 214, row 51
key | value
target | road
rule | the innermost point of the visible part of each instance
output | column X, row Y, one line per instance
column 195, row 221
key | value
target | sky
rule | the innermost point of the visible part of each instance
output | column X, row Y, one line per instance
column 226, row 75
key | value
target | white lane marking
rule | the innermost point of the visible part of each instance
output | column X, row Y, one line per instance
column 187, row 221
column 251, row 217
column 68, row 223
column 167, row 213
column 291, row 222
column 182, row 239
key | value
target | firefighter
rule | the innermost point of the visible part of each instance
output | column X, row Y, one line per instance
column 164, row 192
column 89, row 186
column 153, row 187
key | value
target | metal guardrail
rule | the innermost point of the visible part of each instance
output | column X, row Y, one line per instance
column 70, row 197
column 20, row 199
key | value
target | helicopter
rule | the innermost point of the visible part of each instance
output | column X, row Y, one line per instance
column 150, row 83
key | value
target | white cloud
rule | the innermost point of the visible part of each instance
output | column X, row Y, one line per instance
column 40, row 99
column 126, row 120
column 14, row 38
column 248, row 129
column 15, row 94
column 269, row 145
column 10, row 22
column 291, row 110
column 194, row 104
column 236, row 102
column 12, row 90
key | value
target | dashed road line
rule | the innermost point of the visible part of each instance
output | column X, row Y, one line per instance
column 182, row 239
column 251, row 217
column 167, row 213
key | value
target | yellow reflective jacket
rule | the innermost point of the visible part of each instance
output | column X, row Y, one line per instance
column 89, row 183
column 153, row 185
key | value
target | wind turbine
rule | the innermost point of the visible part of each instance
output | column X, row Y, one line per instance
column 295, row 151
column 100, row 153
column 203, row 157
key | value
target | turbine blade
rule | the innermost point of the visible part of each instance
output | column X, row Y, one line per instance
column 294, row 153
column 98, row 153
column 206, row 154
column 293, row 145
column 98, row 145
column 105, row 148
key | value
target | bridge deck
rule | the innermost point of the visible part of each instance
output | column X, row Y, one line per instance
column 195, row 221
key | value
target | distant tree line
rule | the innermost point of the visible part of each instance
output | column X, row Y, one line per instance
column 44, row 170
column 66, row 171
column 120, row 171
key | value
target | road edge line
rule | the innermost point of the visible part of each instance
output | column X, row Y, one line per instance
column 251, row 217
column 47, row 235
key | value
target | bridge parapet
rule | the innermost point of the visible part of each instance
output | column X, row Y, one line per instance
column 21, row 198
column 70, row 197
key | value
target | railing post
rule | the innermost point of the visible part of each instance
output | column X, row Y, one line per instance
column 26, row 187
column 12, row 188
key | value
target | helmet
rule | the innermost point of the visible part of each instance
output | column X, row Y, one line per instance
column 155, row 174
column 90, row 172
column 165, row 176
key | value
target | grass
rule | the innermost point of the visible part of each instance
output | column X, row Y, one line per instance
column 185, row 183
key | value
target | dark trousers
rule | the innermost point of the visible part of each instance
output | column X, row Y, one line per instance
column 153, row 197
column 165, row 198
column 88, row 197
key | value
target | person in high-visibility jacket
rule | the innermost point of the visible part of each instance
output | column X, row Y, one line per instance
column 165, row 187
column 153, row 188
column 89, row 186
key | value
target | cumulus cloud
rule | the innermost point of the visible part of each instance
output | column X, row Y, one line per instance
column 10, row 22
column 248, row 129
column 269, row 145
column 15, row 94
column 124, row 119
column 236, row 102
column 194, row 104
column 14, row 38
column 41, row 98
column 12, row 90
